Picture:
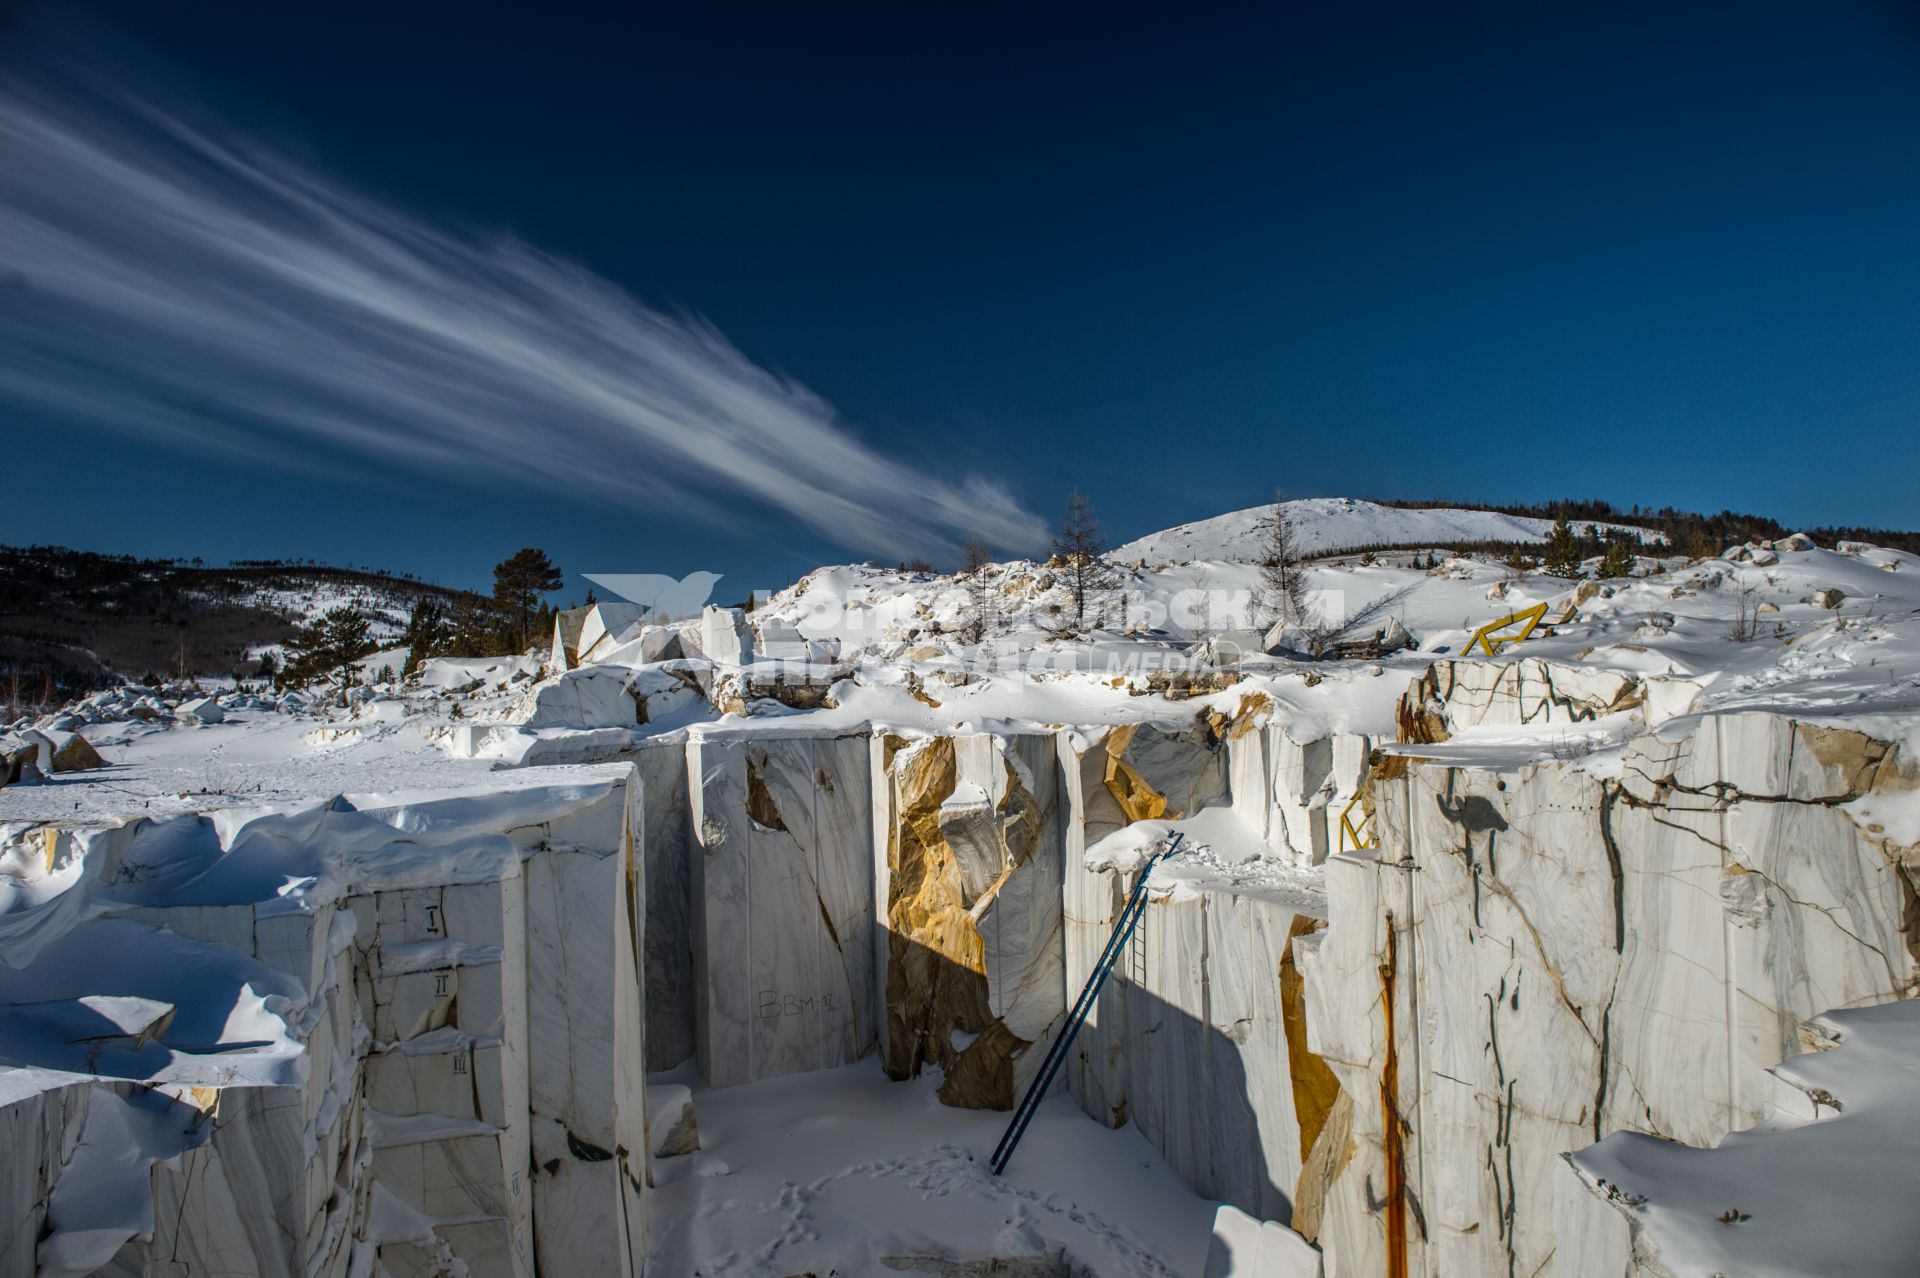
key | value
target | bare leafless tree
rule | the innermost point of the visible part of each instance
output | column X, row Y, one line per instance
column 1283, row 582
column 1745, row 626
column 1084, row 554
column 982, row 607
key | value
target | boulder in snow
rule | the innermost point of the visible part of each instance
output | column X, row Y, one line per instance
column 199, row 710
column 1829, row 598
column 590, row 697
column 20, row 767
column 671, row 1121
column 1243, row 1247
column 1290, row 639
column 74, row 753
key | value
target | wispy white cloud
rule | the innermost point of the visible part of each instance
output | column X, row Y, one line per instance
column 159, row 279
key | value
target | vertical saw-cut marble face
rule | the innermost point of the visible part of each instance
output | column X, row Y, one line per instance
column 586, row 1071
column 973, row 875
column 783, row 892
column 667, row 958
column 1110, row 779
column 1205, row 1068
column 1582, row 952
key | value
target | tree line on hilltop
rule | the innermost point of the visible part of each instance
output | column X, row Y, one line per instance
column 329, row 649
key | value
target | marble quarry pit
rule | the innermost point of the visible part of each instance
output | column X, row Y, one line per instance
column 416, row 1033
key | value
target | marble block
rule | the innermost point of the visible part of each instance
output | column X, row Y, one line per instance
column 1468, row 693
column 1244, row 1246
column 1301, row 785
column 668, row 953
column 585, row 1064
column 589, row 697
column 783, row 894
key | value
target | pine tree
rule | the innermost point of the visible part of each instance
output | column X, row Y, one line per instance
column 429, row 633
column 1090, row 575
column 1562, row 557
column 1619, row 560
column 329, row 648
column 479, row 629
column 519, row 581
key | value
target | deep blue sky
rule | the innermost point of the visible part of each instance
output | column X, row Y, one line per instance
column 1175, row 256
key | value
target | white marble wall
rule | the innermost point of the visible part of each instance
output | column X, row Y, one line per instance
column 39, row 1130
column 586, row 1064
column 442, row 982
column 1578, row 954
column 1096, row 1071
column 782, row 888
column 423, row 1080
column 1292, row 792
column 1204, row 1067
column 1110, row 778
column 667, row 957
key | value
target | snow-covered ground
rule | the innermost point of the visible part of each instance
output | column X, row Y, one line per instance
column 1749, row 1206
column 843, row 1171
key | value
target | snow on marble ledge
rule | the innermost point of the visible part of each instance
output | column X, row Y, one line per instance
column 1791, row 1196
column 346, row 977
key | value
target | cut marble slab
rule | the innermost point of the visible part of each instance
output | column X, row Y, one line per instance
column 585, row 1059
column 668, row 953
column 783, row 885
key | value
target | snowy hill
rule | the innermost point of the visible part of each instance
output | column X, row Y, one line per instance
column 78, row 618
column 1328, row 525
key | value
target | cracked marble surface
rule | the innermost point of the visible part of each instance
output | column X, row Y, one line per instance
column 1629, row 946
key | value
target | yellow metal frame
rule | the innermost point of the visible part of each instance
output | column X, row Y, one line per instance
column 1491, row 642
column 1360, row 834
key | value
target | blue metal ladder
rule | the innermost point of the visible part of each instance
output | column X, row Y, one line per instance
column 1089, row 994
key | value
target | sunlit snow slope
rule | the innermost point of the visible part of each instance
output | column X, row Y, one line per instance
column 1325, row 525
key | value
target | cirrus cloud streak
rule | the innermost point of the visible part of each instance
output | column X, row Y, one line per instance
column 162, row 280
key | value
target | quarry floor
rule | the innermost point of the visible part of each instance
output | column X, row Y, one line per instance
column 844, row 1172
